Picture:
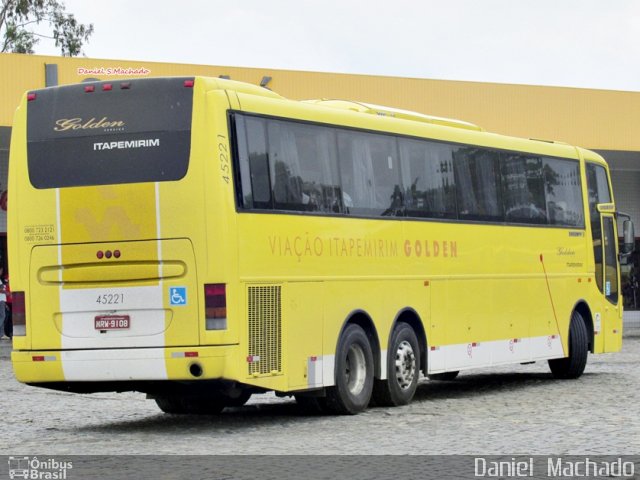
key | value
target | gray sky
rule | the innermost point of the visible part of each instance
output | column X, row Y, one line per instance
column 576, row 43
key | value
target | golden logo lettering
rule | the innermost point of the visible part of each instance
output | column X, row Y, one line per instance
column 65, row 124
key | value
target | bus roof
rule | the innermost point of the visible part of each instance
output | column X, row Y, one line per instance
column 394, row 113
column 240, row 87
column 550, row 147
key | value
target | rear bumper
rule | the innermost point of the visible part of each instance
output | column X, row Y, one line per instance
column 121, row 365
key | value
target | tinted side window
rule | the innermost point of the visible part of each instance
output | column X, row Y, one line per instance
column 242, row 150
column 598, row 186
column 370, row 173
column 563, row 192
column 598, row 192
column 477, row 174
column 523, row 189
column 428, row 180
column 303, row 167
column 289, row 165
column 254, row 162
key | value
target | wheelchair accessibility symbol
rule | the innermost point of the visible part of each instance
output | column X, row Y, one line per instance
column 178, row 295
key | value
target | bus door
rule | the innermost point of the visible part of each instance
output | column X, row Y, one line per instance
column 607, row 314
column 611, row 318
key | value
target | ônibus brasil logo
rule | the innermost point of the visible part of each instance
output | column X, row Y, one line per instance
column 34, row 469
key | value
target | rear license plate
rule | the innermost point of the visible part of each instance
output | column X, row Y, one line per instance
column 112, row 322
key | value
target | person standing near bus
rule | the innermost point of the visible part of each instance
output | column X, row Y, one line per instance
column 3, row 305
column 8, row 309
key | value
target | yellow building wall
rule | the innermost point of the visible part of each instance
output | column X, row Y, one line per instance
column 595, row 119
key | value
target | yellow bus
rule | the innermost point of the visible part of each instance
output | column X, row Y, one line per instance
column 201, row 240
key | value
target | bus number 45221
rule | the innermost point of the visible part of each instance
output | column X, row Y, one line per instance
column 110, row 299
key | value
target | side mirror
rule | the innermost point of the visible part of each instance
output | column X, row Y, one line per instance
column 629, row 237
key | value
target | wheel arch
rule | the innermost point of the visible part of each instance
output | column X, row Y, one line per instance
column 583, row 309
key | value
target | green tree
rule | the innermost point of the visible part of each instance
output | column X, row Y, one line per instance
column 18, row 17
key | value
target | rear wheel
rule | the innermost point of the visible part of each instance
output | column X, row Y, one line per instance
column 403, row 369
column 573, row 366
column 170, row 404
column 353, row 373
column 444, row 377
column 236, row 400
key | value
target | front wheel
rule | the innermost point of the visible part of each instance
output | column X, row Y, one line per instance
column 403, row 369
column 353, row 373
column 573, row 366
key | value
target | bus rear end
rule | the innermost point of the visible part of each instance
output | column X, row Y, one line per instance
column 106, row 225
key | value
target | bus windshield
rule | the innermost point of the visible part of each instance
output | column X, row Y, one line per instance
column 109, row 133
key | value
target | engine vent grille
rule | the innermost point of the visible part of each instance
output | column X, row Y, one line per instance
column 265, row 330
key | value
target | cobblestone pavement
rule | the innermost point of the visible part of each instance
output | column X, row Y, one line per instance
column 506, row 411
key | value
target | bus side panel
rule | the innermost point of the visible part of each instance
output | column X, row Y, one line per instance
column 302, row 334
column 469, row 320
column 17, row 248
column 31, row 223
column 217, row 246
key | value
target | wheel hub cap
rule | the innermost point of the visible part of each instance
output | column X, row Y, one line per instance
column 356, row 369
column 405, row 365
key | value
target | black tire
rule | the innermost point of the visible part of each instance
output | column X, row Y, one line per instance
column 444, row 377
column 238, row 400
column 353, row 373
column 189, row 405
column 573, row 365
column 169, row 404
column 403, row 369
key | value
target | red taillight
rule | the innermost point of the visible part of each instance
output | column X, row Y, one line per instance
column 107, row 87
column 31, row 96
column 215, row 305
column 188, row 83
column 18, row 314
column 90, row 88
column 215, row 290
